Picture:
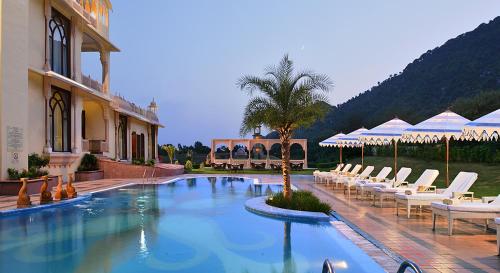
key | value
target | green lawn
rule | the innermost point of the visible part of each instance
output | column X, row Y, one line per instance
column 487, row 184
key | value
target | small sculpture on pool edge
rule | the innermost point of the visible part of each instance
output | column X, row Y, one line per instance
column 23, row 199
column 45, row 195
column 60, row 192
column 70, row 190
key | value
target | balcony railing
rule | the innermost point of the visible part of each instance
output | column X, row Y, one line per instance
column 91, row 15
column 94, row 146
column 91, row 83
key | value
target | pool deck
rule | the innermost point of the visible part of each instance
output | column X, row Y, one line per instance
column 470, row 249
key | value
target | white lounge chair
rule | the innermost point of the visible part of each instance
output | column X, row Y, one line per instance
column 422, row 184
column 339, row 179
column 465, row 210
column 368, row 189
column 352, row 179
column 328, row 176
column 317, row 173
column 379, row 178
column 460, row 185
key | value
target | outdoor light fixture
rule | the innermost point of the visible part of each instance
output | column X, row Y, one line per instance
column 256, row 132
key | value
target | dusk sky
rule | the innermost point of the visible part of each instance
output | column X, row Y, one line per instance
column 189, row 54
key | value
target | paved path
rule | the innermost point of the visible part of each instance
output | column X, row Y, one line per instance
column 470, row 249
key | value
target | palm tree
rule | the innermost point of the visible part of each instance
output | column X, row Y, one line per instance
column 286, row 101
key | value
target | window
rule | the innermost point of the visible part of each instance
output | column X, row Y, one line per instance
column 59, row 38
column 122, row 137
column 142, row 151
column 153, row 141
column 83, row 124
column 60, row 117
column 134, row 146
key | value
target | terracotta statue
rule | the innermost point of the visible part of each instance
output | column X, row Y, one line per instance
column 45, row 195
column 60, row 192
column 23, row 199
column 71, row 191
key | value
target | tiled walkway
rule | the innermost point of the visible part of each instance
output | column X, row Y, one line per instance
column 470, row 249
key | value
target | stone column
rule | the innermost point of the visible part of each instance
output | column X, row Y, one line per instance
column 105, row 70
column 48, row 16
column 47, row 91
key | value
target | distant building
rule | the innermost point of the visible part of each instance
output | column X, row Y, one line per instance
column 47, row 106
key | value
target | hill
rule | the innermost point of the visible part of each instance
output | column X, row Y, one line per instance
column 461, row 74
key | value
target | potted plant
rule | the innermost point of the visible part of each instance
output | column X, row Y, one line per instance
column 34, row 173
column 89, row 169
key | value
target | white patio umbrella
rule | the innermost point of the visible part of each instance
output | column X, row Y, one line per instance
column 333, row 142
column 385, row 134
column 352, row 140
column 447, row 125
column 484, row 128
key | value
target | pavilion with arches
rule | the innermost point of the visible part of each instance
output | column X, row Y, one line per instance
column 257, row 151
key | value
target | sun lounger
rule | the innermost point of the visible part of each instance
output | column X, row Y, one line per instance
column 460, row 186
column 364, row 175
column 339, row 179
column 368, row 189
column 327, row 176
column 465, row 210
column 379, row 178
column 422, row 184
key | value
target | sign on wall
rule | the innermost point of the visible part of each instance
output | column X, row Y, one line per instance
column 15, row 139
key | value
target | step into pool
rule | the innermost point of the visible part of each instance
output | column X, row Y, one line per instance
column 190, row 225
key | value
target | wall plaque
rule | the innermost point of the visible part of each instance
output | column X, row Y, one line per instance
column 15, row 139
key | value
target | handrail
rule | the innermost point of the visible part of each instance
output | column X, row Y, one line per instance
column 328, row 267
column 153, row 174
column 409, row 264
column 144, row 179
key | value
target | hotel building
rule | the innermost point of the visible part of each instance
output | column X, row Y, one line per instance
column 47, row 106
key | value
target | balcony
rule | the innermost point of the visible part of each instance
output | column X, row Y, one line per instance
column 95, row 12
column 91, row 83
column 94, row 146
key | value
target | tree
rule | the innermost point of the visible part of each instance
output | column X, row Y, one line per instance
column 170, row 149
column 286, row 101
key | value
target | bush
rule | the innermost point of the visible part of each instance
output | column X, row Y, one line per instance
column 188, row 166
column 139, row 161
column 88, row 163
column 301, row 200
column 151, row 163
column 35, row 163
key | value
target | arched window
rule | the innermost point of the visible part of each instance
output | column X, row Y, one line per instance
column 60, row 105
column 59, row 38
column 122, row 137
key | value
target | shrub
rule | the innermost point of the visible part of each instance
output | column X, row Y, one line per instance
column 188, row 166
column 35, row 163
column 139, row 161
column 88, row 163
column 301, row 200
column 151, row 163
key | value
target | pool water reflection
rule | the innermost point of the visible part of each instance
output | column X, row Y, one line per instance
column 191, row 225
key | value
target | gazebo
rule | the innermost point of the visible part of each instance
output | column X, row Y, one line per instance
column 255, row 150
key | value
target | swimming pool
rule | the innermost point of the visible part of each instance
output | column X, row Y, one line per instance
column 190, row 225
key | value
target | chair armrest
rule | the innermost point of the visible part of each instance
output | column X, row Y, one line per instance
column 465, row 195
column 430, row 189
column 404, row 184
column 488, row 199
column 440, row 190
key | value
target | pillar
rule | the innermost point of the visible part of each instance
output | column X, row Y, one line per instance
column 47, row 91
column 48, row 16
column 105, row 70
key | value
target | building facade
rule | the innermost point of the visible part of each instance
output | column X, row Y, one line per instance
column 47, row 105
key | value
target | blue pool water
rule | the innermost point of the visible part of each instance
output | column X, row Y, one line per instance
column 193, row 225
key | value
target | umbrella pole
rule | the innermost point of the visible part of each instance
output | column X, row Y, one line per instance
column 362, row 156
column 395, row 161
column 447, row 162
column 340, row 154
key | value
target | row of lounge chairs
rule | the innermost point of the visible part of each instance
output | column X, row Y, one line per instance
column 453, row 202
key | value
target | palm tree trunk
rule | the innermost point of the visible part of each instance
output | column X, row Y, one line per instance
column 285, row 165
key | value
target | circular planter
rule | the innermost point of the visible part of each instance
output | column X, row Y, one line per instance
column 258, row 206
column 89, row 175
